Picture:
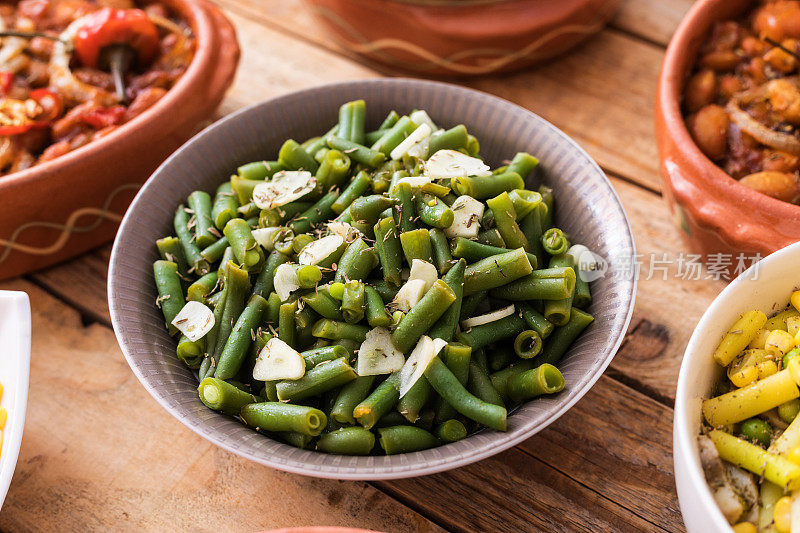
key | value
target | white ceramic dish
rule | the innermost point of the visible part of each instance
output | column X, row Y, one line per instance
column 15, row 359
column 765, row 286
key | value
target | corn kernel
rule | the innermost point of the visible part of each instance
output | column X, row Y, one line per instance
column 779, row 342
column 795, row 299
column 759, row 340
column 782, row 515
column 744, row 527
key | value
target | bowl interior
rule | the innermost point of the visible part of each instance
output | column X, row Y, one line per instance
column 15, row 345
column 765, row 286
column 588, row 209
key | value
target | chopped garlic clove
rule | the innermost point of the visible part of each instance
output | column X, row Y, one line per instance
column 194, row 320
column 278, row 360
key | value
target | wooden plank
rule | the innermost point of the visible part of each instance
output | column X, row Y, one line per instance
column 653, row 20
column 98, row 452
column 601, row 93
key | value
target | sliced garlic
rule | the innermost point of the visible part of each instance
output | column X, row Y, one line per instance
column 278, row 360
column 285, row 281
column 377, row 354
column 416, row 364
column 422, row 131
column 453, row 164
column 286, row 186
column 317, row 251
column 493, row 316
column 194, row 320
column 467, row 215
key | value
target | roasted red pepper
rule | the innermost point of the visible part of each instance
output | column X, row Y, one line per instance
column 103, row 117
column 108, row 27
column 17, row 116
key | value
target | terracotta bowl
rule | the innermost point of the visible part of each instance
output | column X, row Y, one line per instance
column 64, row 207
column 588, row 209
column 715, row 213
column 462, row 37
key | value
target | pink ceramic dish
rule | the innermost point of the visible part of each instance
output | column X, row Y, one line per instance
column 716, row 213
column 71, row 204
column 462, row 37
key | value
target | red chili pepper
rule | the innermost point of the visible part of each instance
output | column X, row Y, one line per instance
column 6, row 81
column 50, row 103
column 108, row 27
column 104, row 116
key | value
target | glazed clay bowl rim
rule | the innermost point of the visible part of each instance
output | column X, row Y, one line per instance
column 134, row 317
column 728, row 193
column 196, row 14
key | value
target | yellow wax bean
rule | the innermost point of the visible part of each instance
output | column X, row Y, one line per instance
column 760, row 340
column 782, row 515
column 751, row 400
column 755, row 459
column 779, row 320
column 746, row 368
column 744, row 527
column 739, row 336
column 779, row 342
column 795, row 299
column 769, row 494
column 793, row 325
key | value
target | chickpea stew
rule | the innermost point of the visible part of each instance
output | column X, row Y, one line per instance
column 742, row 100
column 73, row 71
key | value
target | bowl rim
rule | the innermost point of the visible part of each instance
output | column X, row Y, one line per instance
column 672, row 79
column 372, row 473
column 18, row 303
column 196, row 15
column 684, row 435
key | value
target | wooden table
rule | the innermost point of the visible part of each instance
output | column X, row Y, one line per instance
column 98, row 452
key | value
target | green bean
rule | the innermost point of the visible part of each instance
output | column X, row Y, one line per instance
column 322, row 378
column 417, row 244
column 294, row 157
column 354, row 302
column 423, row 315
column 320, row 212
column 316, row 356
column 450, row 388
column 528, row 344
column 333, row 171
column 336, row 290
column 243, row 188
column 480, row 384
column 170, row 293
column 525, row 202
column 349, row 397
column 273, row 308
column 414, row 400
column 405, row 439
column 301, row 241
column 200, row 203
column 287, row 326
column 190, row 352
column 357, row 262
column 381, row 401
column 322, row 302
column 473, row 146
column 501, row 378
column 387, row 291
column 492, row 238
column 535, row 320
column 237, row 286
column 190, row 249
column 333, row 330
column 405, row 210
column 207, row 365
column 347, row 441
column 500, row 357
column 388, row 248
column 531, row 226
column 555, row 242
column 307, row 275
column 450, row 431
column 561, row 339
column 276, row 416
column 523, row 164
column 497, row 271
column 219, row 395
column 484, row 187
column 548, row 200
column 200, row 289
column 456, row 357
column 544, row 284
column 359, row 153
column 370, row 138
column 445, row 327
column 396, row 134
column 245, row 248
column 170, row 249
column 375, row 310
column 441, row 251
column 315, row 145
column 485, row 334
column 215, row 251
column 505, row 219
column 432, row 211
column 357, row 188
column 475, row 251
column 390, row 120
column 304, row 316
column 260, row 170
column 283, row 214
column 544, row 379
column 453, row 139
column 471, row 303
column 557, row 311
column 352, row 116
column 239, row 340
column 214, row 299
column 367, row 209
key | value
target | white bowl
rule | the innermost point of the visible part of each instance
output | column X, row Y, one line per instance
column 765, row 286
column 15, row 362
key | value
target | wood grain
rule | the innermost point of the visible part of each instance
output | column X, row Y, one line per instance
column 653, row 20
column 99, row 453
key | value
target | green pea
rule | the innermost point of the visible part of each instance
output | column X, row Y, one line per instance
column 756, row 430
column 794, row 352
column 788, row 411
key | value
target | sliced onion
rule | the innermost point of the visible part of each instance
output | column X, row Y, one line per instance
column 784, row 142
column 488, row 317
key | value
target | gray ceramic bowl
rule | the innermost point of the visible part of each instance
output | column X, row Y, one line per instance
column 588, row 209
